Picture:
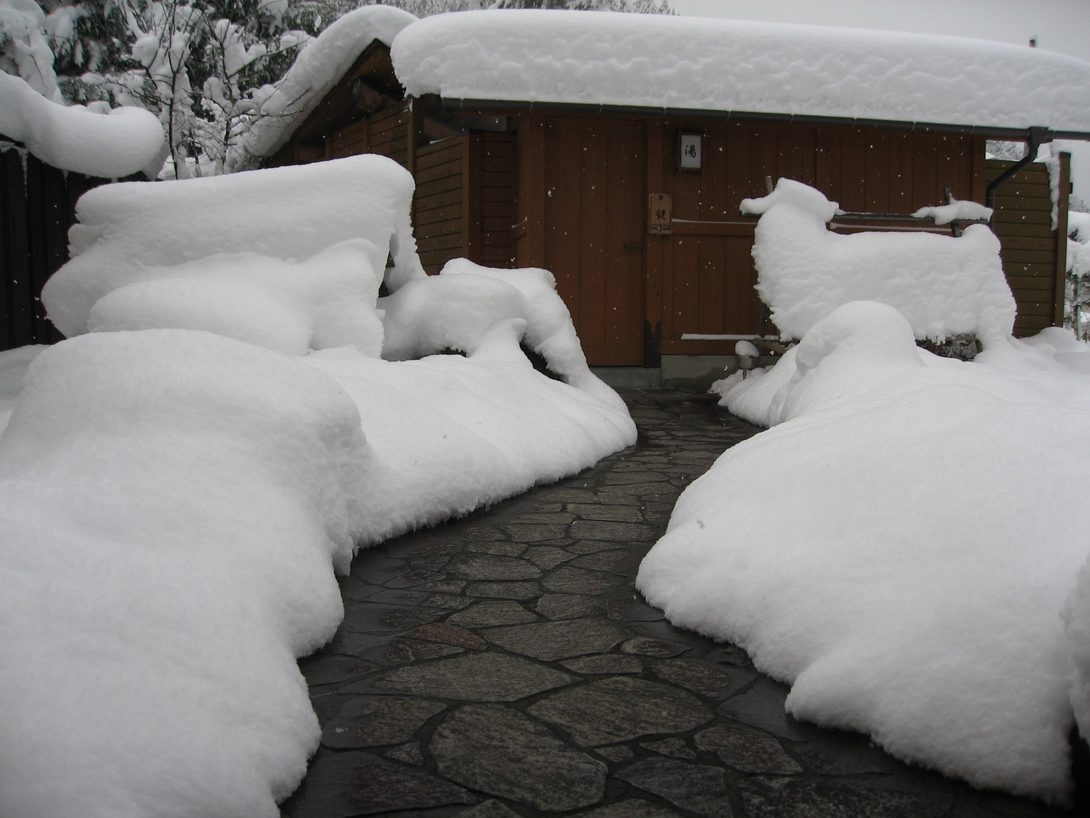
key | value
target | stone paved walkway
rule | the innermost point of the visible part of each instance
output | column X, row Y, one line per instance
column 502, row 665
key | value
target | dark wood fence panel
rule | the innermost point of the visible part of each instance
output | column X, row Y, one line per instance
column 707, row 273
column 37, row 203
column 439, row 205
column 1033, row 250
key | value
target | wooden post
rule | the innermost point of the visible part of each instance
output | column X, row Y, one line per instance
column 1062, row 203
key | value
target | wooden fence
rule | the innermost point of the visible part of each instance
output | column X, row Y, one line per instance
column 37, row 206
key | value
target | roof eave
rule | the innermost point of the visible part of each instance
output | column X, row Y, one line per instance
column 526, row 106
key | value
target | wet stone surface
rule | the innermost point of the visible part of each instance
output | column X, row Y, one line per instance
column 503, row 665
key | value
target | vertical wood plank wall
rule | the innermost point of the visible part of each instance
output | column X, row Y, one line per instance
column 1031, row 254
column 464, row 201
column 38, row 204
column 705, row 267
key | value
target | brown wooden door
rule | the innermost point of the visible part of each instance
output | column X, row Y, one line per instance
column 595, row 202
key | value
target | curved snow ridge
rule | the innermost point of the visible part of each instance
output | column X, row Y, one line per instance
column 74, row 138
column 319, row 66
column 659, row 62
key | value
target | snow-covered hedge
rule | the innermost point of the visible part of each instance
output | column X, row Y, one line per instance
column 181, row 480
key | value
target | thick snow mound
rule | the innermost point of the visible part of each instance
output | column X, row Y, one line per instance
column 942, row 285
column 452, row 433
column 172, row 506
column 316, row 70
column 908, row 572
column 661, row 62
column 123, row 142
column 326, row 301
column 465, row 301
column 134, row 231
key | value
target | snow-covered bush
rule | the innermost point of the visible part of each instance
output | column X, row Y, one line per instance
column 942, row 285
column 175, row 502
column 272, row 229
column 899, row 547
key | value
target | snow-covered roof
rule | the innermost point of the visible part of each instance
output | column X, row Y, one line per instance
column 319, row 66
column 688, row 63
column 75, row 138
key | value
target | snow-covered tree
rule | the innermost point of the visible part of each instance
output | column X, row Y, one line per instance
column 195, row 63
column 1077, row 306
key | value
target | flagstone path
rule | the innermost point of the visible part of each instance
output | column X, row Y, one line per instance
column 503, row 665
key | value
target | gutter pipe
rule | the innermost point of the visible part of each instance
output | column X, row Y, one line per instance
column 1035, row 137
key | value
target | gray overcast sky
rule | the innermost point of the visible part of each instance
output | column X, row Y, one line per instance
column 1059, row 25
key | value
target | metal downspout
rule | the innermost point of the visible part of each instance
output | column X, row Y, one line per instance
column 1034, row 139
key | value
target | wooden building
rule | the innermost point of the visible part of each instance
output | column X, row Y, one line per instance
column 635, row 209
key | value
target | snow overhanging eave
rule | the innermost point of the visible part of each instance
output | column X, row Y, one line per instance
column 1012, row 133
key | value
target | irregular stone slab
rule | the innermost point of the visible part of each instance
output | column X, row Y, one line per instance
column 502, row 752
column 444, row 586
column 623, row 476
column 848, row 754
column 343, row 785
column 602, row 561
column 386, row 618
column 549, row 641
column 520, row 591
column 618, row 753
column 694, row 787
column 634, row 611
column 398, row 597
column 620, row 709
column 489, row 809
column 591, row 546
column 536, row 533
column 499, row 612
column 478, row 677
column 492, row 567
column 567, row 580
column 408, row 753
column 481, row 532
column 639, row 490
column 646, row 646
column 448, row 601
column 448, row 635
column 747, row 749
column 433, row 563
column 607, row 663
column 323, row 669
column 672, row 747
column 762, row 705
column 416, row 578
column 614, row 532
column 500, row 548
column 566, row 606
column 632, row 808
column 611, row 513
column 378, row 722
column 403, row 651
column 800, row 798
column 695, row 676
column 546, row 557
column 543, row 517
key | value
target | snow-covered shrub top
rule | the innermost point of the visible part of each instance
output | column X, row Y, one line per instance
column 306, row 236
column 942, row 285
column 75, row 138
column 321, row 63
column 730, row 65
